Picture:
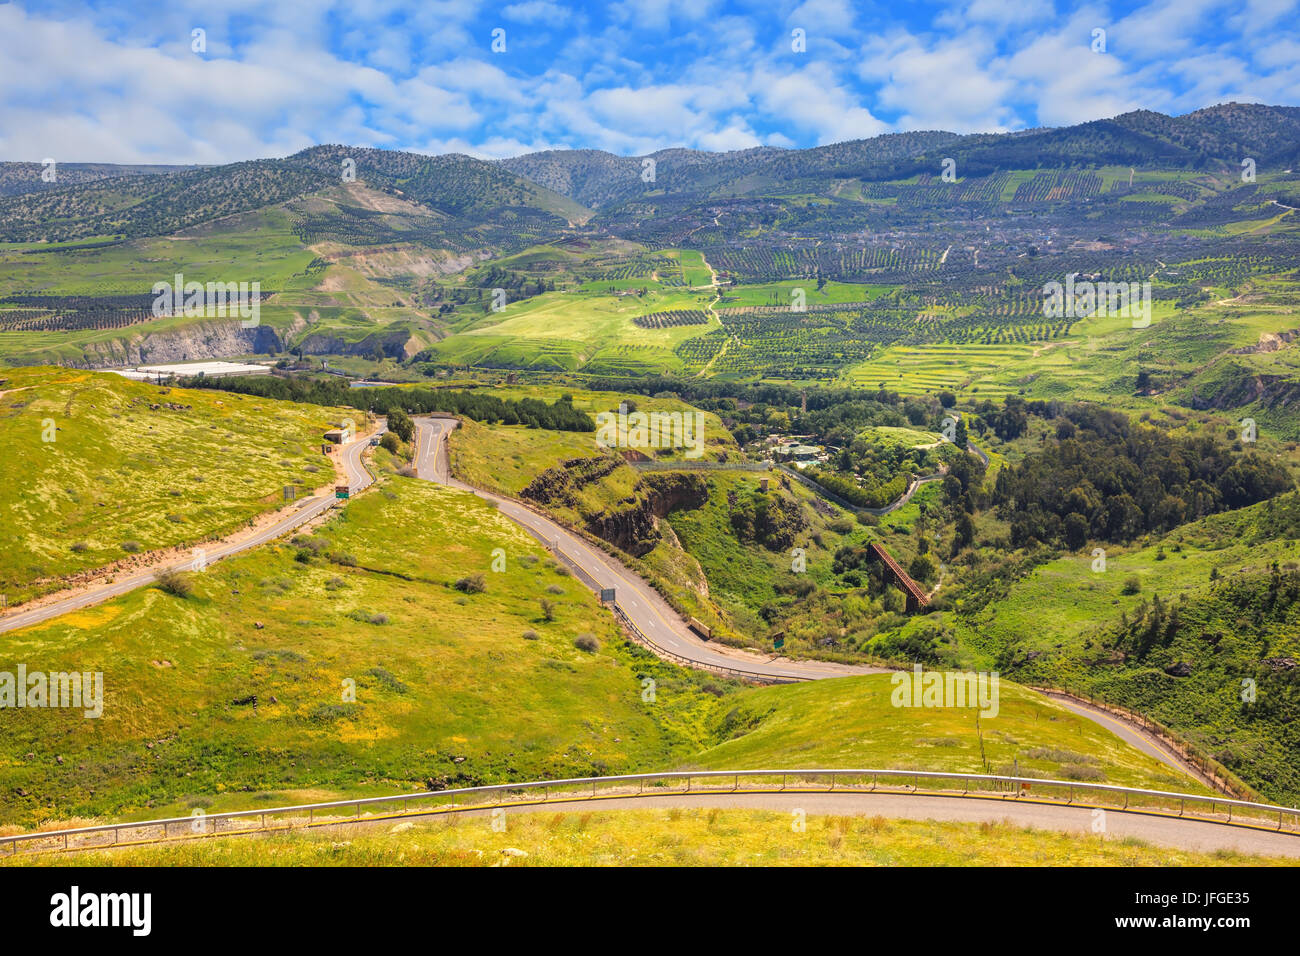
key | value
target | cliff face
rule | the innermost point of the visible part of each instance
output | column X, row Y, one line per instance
column 215, row 339
column 633, row 525
column 189, row 342
column 398, row 344
column 558, row 486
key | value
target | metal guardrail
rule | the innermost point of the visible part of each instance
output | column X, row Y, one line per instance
column 575, row 788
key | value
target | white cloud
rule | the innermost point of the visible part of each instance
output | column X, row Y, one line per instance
column 812, row 99
column 943, row 87
column 111, row 83
column 536, row 11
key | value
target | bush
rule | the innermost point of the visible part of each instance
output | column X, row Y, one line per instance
column 80, row 546
column 1078, row 771
column 400, row 424
column 530, row 635
column 175, row 583
column 1132, row 585
column 473, row 584
column 390, row 442
column 548, row 610
column 586, row 642
column 921, row 569
column 132, row 547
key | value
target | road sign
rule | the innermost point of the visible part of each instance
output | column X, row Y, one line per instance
column 778, row 641
column 606, row 595
column 341, row 491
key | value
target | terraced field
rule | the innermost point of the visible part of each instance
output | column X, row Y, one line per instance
column 988, row 370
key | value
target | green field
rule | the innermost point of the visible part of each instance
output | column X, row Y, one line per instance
column 450, row 686
column 130, row 467
column 851, row 722
column 778, row 293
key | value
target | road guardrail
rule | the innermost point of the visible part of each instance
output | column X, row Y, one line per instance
column 985, row 786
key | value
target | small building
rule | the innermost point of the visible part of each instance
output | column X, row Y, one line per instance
column 334, row 436
column 796, row 452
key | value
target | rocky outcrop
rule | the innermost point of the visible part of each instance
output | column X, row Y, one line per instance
column 633, row 525
column 395, row 343
column 558, row 486
column 1270, row 391
column 1269, row 342
column 186, row 343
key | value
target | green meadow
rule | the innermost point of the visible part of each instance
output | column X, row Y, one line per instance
column 373, row 673
column 101, row 468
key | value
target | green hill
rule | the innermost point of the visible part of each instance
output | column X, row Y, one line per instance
column 102, row 470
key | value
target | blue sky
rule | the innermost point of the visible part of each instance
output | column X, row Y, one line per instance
column 121, row 82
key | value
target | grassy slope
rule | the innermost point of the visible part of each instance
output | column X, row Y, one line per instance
column 439, row 675
column 119, row 471
column 445, row 676
column 850, row 722
column 664, row 837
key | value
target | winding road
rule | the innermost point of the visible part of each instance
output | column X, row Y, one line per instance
column 658, row 623
column 662, row 626
column 1159, row 828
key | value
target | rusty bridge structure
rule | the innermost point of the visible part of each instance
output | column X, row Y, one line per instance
column 914, row 593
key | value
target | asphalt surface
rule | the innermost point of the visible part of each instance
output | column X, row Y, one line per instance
column 1169, row 831
column 664, row 627
column 1136, row 736
column 658, row 622
column 306, row 510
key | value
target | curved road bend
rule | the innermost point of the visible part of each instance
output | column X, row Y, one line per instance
column 664, row 626
column 309, row 508
column 642, row 603
column 1132, row 734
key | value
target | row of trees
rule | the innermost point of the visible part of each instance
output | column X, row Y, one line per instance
column 559, row 415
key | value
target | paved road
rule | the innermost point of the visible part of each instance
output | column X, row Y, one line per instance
column 657, row 621
column 307, row 509
column 1170, row 831
column 1131, row 734
column 661, row 625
